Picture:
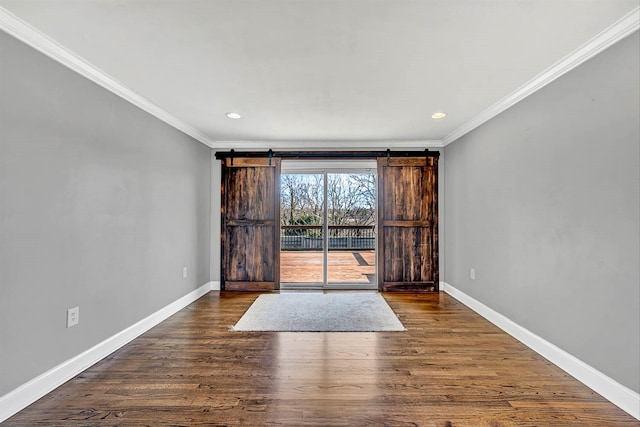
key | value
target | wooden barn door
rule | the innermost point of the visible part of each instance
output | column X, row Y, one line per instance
column 250, row 224
column 408, row 224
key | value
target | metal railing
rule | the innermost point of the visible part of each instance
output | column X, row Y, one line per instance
column 341, row 237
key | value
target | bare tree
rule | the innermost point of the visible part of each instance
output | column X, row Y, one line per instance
column 289, row 185
column 351, row 199
column 366, row 188
column 301, row 199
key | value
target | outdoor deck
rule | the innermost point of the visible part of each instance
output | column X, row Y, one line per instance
column 343, row 267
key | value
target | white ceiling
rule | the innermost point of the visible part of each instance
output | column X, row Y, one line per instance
column 321, row 72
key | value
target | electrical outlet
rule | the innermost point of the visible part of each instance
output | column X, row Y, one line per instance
column 184, row 272
column 472, row 273
column 73, row 316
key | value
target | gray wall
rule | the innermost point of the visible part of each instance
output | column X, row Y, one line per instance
column 216, row 176
column 101, row 205
column 543, row 201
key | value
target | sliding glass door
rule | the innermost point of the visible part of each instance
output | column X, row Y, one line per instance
column 327, row 229
column 302, row 230
column 351, row 218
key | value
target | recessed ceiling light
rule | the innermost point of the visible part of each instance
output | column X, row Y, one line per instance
column 234, row 115
column 438, row 115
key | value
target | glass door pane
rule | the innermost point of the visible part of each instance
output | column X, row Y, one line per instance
column 302, row 236
column 351, row 218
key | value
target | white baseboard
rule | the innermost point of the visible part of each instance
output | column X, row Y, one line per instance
column 621, row 396
column 23, row 396
column 215, row 285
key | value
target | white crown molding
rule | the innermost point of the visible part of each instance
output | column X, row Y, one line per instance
column 324, row 145
column 24, row 32
column 621, row 396
column 23, row 396
column 625, row 26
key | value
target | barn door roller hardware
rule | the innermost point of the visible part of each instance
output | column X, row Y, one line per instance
column 324, row 154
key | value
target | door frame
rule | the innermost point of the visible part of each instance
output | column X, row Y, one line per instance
column 432, row 156
column 325, row 168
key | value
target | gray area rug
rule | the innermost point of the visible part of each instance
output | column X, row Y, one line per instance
column 319, row 312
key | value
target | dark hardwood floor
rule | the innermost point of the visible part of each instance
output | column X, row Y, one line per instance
column 451, row 368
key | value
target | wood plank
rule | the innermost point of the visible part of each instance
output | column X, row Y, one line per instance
column 450, row 368
column 249, row 286
column 354, row 267
column 247, row 223
column 399, row 161
column 239, row 162
column 410, row 286
column 415, row 223
column 408, row 254
column 250, row 194
column 250, row 254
